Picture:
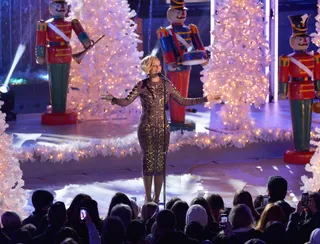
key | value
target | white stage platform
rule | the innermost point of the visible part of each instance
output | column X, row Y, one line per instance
column 193, row 167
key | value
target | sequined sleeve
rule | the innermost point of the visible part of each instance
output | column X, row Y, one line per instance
column 134, row 93
column 175, row 95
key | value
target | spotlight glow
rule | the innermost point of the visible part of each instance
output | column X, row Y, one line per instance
column 154, row 51
column 21, row 48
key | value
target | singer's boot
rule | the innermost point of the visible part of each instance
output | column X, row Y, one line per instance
column 147, row 181
column 158, row 180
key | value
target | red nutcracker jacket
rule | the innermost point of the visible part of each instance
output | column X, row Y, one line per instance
column 172, row 49
column 51, row 45
column 295, row 81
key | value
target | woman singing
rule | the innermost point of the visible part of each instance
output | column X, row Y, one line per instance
column 151, row 129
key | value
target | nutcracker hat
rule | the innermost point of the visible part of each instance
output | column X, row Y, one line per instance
column 177, row 4
column 299, row 24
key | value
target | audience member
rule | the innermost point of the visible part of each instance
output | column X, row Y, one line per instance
column 216, row 205
column 165, row 229
column 195, row 231
column 76, row 200
column 315, row 236
column 244, row 197
column 258, row 201
column 271, row 212
column 124, row 212
column 197, row 213
column 242, row 223
column 171, row 201
column 304, row 220
column 57, row 217
column 119, row 197
column 180, row 209
column 136, row 232
column 113, row 231
column 135, row 208
column 12, row 227
column 41, row 201
column 275, row 233
column 277, row 190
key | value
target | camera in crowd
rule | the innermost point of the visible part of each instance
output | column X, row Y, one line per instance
column 223, row 221
column 304, row 199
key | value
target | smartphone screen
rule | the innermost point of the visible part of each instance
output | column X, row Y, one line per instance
column 224, row 218
column 83, row 213
column 304, row 199
column 223, row 221
column 161, row 206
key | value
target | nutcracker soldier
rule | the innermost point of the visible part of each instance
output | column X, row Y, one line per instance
column 303, row 69
column 53, row 46
column 181, row 47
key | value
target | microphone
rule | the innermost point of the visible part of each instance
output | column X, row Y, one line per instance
column 163, row 77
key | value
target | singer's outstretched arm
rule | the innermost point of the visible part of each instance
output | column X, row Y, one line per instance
column 130, row 98
column 183, row 101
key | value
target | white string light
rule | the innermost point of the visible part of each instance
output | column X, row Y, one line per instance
column 111, row 65
column 239, row 56
column 119, row 147
column 313, row 183
column 12, row 195
column 316, row 36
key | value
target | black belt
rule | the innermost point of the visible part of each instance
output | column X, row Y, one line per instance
column 301, row 79
column 55, row 44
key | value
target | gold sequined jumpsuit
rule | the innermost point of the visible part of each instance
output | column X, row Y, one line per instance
column 150, row 129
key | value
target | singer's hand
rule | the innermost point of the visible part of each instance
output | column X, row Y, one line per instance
column 214, row 98
column 107, row 97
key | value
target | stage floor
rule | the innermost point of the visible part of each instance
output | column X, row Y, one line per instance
column 192, row 170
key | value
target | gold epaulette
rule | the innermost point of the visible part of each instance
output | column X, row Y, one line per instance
column 162, row 32
column 317, row 58
column 194, row 29
column 42, row 25
column 284, row 60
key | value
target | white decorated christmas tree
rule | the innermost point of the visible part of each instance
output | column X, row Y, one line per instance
column 239, row 57
column 313, row 183
column 316, row 36
column 12, row 195
column 111, row 65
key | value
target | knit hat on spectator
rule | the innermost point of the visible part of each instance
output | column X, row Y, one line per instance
column 41, row 199
column 315, row 237
column 197, row 213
